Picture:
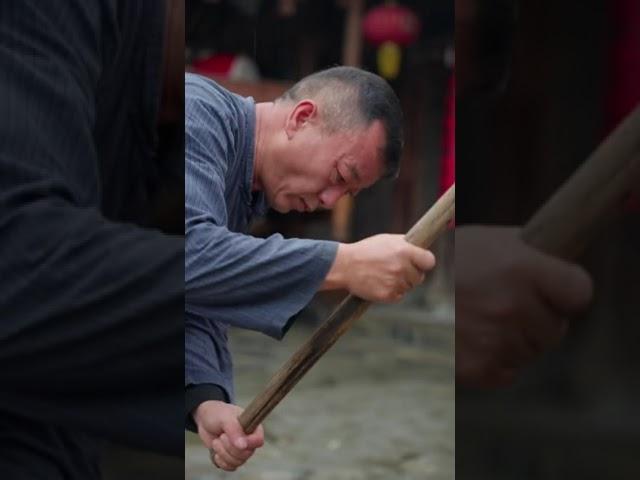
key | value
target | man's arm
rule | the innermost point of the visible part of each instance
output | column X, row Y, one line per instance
column 87, row 305
column 251, row 282
column 71, row 279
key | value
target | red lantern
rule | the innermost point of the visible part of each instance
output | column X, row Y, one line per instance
column 390, row 27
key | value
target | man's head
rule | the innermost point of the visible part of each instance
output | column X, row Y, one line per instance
column 333, row 133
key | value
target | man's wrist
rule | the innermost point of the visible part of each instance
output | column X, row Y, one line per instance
column 197, row 394
column 337, row 277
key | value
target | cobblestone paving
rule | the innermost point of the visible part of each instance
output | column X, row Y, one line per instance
column 378, row 406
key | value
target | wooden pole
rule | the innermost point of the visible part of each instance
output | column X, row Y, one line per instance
column 583, row 204
column 423, row 234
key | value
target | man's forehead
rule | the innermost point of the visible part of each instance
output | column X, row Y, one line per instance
column 369, row 152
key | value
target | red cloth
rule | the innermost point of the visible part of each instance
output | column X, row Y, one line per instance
column 215, row 65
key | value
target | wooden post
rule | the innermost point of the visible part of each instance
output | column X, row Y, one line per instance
column 351, row 54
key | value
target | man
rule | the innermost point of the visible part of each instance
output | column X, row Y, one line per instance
column 91, row 301
column 332, row 134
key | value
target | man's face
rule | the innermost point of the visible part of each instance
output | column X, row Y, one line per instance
column 317, row 168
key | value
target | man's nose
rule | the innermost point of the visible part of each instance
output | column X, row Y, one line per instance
column 330, row 196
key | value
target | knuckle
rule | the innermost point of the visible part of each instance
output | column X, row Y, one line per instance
column 237, row 410
column 429, row 257
column 396, row 268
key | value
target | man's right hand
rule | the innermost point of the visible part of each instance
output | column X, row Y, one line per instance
column 382, row 268
column 220, row 431
column 512, row 303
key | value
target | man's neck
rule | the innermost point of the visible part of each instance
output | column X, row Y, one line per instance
column 260, row 150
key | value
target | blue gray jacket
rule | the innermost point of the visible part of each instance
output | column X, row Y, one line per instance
column 91, row 299
column 232, row 278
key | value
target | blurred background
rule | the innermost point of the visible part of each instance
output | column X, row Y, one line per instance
column 540, row 85
column 380, row 405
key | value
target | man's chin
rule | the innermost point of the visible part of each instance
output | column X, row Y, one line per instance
column 281, row 208
column 276, row 204
column 286, row 206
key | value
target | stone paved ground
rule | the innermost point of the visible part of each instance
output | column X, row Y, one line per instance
column 378, row 406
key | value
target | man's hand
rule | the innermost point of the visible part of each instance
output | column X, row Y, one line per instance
column 220, row 431
column 381, row 268
column 512, row 303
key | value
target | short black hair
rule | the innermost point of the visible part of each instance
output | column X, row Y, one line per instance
column 352, row 96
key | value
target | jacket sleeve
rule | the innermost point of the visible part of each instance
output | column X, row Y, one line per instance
column 77, row 289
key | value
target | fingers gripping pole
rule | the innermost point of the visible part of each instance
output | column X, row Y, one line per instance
column 423, row 234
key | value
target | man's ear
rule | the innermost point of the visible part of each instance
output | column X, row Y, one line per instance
column 304, row 112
